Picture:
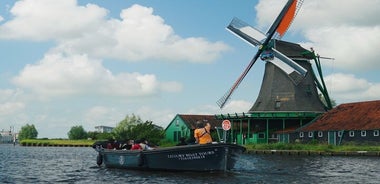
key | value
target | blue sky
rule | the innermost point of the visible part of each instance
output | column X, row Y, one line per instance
column 85, row 62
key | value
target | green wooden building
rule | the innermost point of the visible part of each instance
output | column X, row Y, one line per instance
column 265, row 127
column 183, row 125
column 246, row 128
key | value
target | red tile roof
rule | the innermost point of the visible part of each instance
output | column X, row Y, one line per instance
column 350, row 116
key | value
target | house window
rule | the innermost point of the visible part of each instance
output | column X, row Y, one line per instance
column 352, row 133
column 363, row 133
column 376, row 133
column 301, row 134
column 340, row 133
column 320, row 134
column 311, row 134
column 277, row 104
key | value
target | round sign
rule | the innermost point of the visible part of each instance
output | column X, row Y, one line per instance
column 226, row 125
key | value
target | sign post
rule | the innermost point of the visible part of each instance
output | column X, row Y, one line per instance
column 226, row 125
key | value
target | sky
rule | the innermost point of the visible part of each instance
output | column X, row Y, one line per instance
column 92, row 62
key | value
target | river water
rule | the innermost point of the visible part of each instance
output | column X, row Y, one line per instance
column 78, row 165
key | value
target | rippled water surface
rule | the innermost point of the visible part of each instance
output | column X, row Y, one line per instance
column 78, row 165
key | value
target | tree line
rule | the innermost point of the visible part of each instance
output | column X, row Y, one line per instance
column 131, row 127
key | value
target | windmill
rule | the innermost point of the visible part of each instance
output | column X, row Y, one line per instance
column 288, row 77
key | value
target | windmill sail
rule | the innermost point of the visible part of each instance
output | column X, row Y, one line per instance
column 246, row 32
column 286, row 17
column 255, row 38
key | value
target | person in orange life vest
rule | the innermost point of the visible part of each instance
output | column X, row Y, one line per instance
column 202, row 134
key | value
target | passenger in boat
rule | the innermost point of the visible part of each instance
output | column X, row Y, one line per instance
column 110, row 144
column 116, row 145
column 127, row 145
column 144, row 145
column 182, row 142
column 136, row 145
column 202, row 135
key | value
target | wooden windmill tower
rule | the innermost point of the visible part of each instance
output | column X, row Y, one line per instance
column 289, row 83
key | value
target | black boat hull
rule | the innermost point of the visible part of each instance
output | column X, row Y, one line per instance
column 210, row 157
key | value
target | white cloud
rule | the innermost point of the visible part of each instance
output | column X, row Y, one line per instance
column 1, row 18
column 323, row 13
column 11, row 107
column 237, row 106
column 331, row 13
column 132, row 38
column 159, row 116
column 233, row 106
column 354, row 48
column 348, row 88
column 51, row 19
column 101, row 115
column 9, row 101
column 9, row 94
column 137, row 35
column 60, row 75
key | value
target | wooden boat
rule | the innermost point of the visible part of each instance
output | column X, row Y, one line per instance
column 207, row 157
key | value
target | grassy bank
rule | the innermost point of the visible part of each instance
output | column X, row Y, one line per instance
column 57, row 142
column 312, row 147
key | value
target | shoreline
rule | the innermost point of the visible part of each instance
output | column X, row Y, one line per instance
column 313, row 152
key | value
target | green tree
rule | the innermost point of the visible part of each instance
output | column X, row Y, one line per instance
column 93, row 135
column 28, row 132
column 77, row 132
column 132, row 127
column 149, row 131
column 123, row 130
column 99, row 136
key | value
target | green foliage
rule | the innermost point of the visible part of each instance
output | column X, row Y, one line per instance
column 77, row 132
column 104, row 136
column 148, row 131
column 132, row 127
column 99, row 136
column 56, row 142
column 28, row 132
column 123, row 130
column 93, row 135
column 166, row 143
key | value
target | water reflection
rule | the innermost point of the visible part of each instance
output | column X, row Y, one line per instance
column 78, row 165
